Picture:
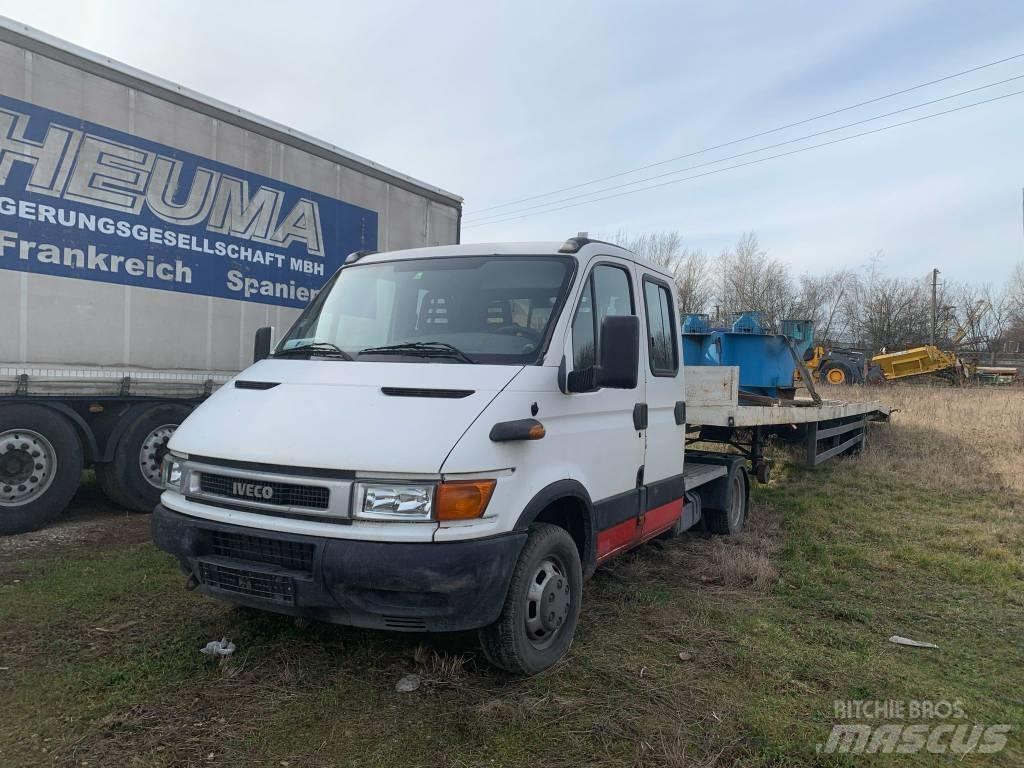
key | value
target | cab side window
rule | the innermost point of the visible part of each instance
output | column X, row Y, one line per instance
column 662, row 346
column 607, row 292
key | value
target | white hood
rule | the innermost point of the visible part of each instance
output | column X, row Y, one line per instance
column 332, row 414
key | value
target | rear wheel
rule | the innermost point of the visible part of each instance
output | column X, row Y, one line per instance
column 133, row 479
column 40, row 466
column 733, row 518
column 542, row 607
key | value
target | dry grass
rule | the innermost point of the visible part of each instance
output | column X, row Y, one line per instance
column 439, row 668
column 960, row 436
column 742, row 562
column 696, row 651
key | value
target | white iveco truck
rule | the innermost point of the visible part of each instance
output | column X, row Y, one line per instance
column 146, row 231
column 449, row 438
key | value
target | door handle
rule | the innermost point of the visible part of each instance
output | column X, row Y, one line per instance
column 640, row 416
column 680, row 412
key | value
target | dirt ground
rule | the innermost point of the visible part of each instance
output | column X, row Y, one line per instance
column 89, row 520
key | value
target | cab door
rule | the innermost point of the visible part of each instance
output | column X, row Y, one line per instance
column 663, row 492
column 611, row 448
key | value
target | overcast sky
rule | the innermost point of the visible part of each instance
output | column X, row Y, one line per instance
column 497, row 101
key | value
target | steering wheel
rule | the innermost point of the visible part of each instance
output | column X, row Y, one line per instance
column 518, row 330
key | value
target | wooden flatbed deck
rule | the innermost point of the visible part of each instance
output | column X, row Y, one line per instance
column 714, row 414
column 712, row 399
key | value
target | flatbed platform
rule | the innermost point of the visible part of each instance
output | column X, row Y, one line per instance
column 712, row 398
column 828, row 428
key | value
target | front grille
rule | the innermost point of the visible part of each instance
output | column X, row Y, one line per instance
column 269, row 586
column 292, row 555
column 278, row 494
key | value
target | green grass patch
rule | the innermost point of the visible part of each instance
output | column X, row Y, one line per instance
column 101, row 649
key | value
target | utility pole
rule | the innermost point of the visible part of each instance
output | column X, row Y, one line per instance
column 935, row 290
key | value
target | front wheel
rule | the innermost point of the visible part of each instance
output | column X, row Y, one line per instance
column 542, row 607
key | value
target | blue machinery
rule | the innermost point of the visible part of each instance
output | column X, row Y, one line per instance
column 766, row 361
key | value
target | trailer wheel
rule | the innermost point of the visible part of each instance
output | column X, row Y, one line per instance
column 40, row 466
column 538, row 620
column 108, row 484
column 733, row 518
column 132, row 479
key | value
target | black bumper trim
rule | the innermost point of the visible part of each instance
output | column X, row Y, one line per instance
column 430, row 586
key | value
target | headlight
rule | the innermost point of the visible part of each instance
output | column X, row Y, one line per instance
column 172, row 473
column 395, row 501
column 422, row 502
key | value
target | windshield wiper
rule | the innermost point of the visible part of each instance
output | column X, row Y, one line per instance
column 318, row 349
column 420, row 349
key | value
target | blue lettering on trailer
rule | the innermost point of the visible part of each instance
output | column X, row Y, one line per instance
column 85, row 201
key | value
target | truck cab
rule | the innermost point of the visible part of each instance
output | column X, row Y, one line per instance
column 449, row 438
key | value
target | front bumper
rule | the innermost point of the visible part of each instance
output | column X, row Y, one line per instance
column 436, row 586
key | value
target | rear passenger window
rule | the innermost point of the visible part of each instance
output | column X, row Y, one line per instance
column 607, row 292
column 663, row 349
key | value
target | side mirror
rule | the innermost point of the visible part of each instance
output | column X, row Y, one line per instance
column 619, row 354
column 261, row 344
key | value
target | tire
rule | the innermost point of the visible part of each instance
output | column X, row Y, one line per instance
column 41, row 460
column 836, row 373
column 108, row 484
column 731, row 521
column 123, row 480
column 522, row 640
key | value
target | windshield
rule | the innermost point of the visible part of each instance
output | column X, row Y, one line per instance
column 483, row 309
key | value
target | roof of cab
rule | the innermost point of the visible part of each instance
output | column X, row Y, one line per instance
column 587, row 249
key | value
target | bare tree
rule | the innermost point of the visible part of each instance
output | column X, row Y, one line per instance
column 694, row 283
column 820, row 300
column 752, row 281
column 1016, row 294
column 662, row 248
column 997, row 318
column 867, row 309
column 690, row 268
column 888, row 313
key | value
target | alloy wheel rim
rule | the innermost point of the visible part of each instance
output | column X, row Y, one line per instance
column 548, row 602
column 28, row 464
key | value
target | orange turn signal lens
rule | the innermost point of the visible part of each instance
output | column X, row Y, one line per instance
column 463, row 499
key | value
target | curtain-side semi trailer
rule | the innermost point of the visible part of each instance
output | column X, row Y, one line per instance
column 146, row 232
